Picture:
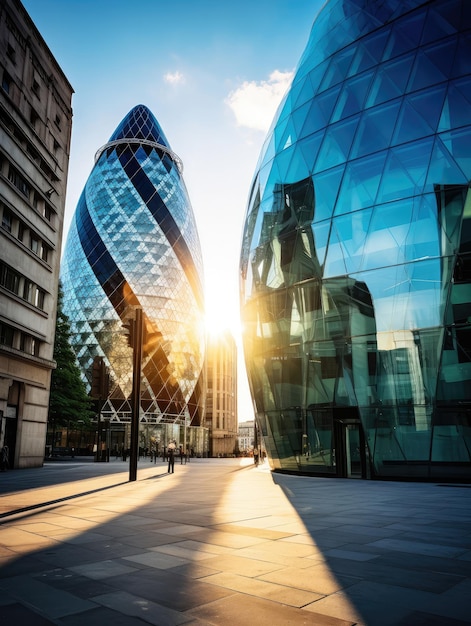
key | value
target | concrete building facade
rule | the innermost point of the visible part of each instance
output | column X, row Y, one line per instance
column 35, row 132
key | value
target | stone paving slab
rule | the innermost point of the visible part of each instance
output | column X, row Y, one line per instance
column 222, row 543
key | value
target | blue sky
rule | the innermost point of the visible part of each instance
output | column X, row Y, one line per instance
column 213, row 73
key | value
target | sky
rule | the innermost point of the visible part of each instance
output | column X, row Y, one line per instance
column 213, row 73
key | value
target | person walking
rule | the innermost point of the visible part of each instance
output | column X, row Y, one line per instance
column 171, row 457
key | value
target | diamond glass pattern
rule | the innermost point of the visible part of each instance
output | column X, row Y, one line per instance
column 133, row 242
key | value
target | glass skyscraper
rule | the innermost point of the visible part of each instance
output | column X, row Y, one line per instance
column 356, row 252
column 134, row 243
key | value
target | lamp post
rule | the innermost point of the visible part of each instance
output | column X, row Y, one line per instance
column 136, row 393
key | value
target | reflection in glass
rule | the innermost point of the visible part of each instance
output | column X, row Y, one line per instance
column 356, row 256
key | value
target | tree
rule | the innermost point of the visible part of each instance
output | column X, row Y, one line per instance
column 68, row 402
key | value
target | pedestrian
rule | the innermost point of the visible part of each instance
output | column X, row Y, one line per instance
column 171, row 456
column 4, row 460
column 255, row 456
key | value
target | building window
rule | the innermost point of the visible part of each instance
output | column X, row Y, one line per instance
column 48, row 212
column 45, row 252
column 57, row 121
column 19, row 182
column 9, row 279
column 6, row 335
column 39, row 298
column 7, row 219
column 33, row 118
column 28, row 291
column 6, row 82
column 36, row 89
column 34, row 244
column 11, row 53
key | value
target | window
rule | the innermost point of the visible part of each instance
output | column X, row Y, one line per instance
column 34, row 244
column 45, row 252
column 9, row 278
column 48, row 212
column 28, row 290
column 33, row 118
column 11, row 54
column 36, row 88
column 7, row 219
column 39, row 298
column 6, row 82
column 19, row 182
column 57, row 121
column 6, row 335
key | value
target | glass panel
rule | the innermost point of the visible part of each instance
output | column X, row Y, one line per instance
column 336, row 144
column 390, row 81
column 405, row 35
column 326, row 186
column 351, row 231
column 360, row 183
column 369, row 51
column 419, row 115
column 405, row 170
column 375, row 130
column 432, row 65
column 456, row 108
column 352, row 96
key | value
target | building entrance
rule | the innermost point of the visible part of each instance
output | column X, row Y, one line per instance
column 350, row 449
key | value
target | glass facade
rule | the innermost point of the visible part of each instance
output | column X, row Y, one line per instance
column 356, row 252
column 134, row 243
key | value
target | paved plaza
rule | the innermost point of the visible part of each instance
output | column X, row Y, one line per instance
column 221, row 542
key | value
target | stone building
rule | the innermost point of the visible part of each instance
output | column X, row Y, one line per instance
column 35, row 132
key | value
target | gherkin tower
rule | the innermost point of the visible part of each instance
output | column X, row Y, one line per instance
column 133, row 242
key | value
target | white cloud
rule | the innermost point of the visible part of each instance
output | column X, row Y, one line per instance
column 174, row 78
column 254, row 104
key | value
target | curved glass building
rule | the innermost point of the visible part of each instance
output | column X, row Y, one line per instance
column 133, row 243
column 356, row 252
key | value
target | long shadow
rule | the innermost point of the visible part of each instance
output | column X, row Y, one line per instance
column 217, row 543
column 399, row 552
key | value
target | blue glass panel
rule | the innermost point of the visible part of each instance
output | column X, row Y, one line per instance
column 405, row 171
column 321, row 236
column 320, row 111
column 451, row 163
column 301, row 92
column 405, row 297
column 326, row 187
column 390, row 80
column 432, row 65
column 419, row 115
column 309, row 148
column 360, row 183
column 350, row 233
column 443, row 19
column 462, row 65
column 375, row 129
column 338, row 69
column 369, row 51
column 336, row 145
column 405, row 35
column 352, row 97
column 457, row 105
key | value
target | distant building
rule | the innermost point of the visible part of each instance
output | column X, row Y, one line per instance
column 221, row 398
column 246, row 436
column 133, row 244
column 35, row 131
